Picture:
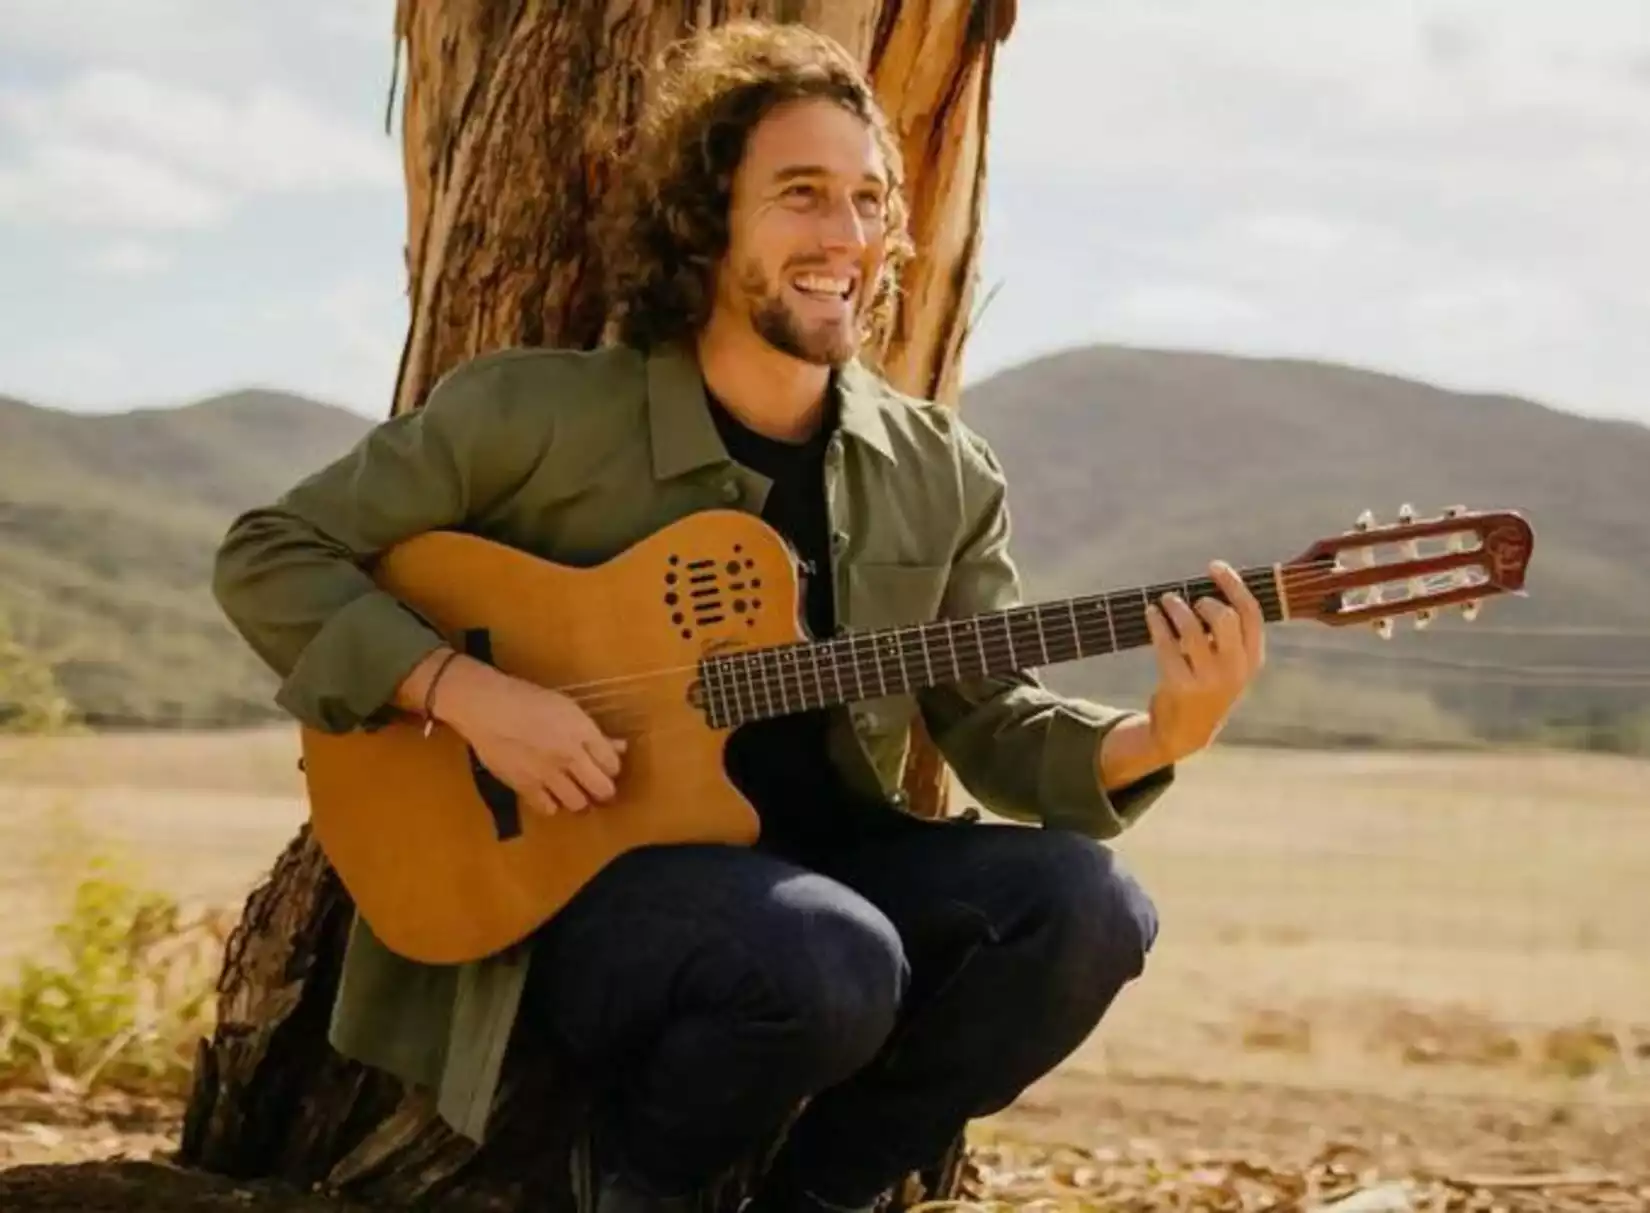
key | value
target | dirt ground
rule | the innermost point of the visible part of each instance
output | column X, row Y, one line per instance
column 1075, row 1141
column 1374, row 969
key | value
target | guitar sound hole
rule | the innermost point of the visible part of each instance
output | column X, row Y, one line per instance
column 698, row 591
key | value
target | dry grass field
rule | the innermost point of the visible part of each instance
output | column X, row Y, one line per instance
column 1437, row 960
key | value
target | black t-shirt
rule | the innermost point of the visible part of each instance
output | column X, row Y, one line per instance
column 781, row 764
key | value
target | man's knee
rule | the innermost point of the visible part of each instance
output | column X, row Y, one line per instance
column 837, row 973
column 1102, row 922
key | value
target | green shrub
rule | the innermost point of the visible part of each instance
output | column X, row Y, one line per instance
column 127, row 989
column 124, row 998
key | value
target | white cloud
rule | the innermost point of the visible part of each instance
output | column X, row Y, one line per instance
column 1189, row 304
column 218, row 41
column 1295, row 232
column 1448, row 188
column 91, row 185
column 127, row 259
column 263, row 139
column 365, row 350
column 186, row 151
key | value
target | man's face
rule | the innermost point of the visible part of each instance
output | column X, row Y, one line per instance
column 806, row 231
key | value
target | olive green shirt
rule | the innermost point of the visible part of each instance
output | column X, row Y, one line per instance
column 574, row 456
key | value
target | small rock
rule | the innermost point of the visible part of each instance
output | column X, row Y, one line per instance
column 43, row 1135
column 1388, row 1198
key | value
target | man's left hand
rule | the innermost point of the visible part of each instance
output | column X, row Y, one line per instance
column 1205, row 661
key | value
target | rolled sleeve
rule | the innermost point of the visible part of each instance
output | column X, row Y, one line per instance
column 346, row 675
column 294, row 578
column 1023, row 750
column 1071, row 794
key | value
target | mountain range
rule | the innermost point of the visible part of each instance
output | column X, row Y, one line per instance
column 1126, row 466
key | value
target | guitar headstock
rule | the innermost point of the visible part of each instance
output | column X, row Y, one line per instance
column 1409, row 567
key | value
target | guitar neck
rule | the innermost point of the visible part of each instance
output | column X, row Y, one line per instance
column 755, row 684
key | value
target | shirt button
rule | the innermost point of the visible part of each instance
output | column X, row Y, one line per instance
column 730, row 491
column 839, row 540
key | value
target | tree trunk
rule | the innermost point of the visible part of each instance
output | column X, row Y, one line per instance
column 512, row 112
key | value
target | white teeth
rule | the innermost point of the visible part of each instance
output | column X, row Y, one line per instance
column 815, row 284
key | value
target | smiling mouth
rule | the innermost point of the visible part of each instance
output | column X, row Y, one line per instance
column 824, row 287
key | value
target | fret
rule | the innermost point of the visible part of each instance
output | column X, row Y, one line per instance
column 773, row 681
column 1076, row 629
column 927, row 657
column 1111, row 621
column 979, row 643
column 1042, row 640
column 709, row 677
column 1014, row 658
column 794, row 657
column 853, row 656
column 726, row 690
column 767, row 695
column 906, row 682
column 951, row 643
column 787, row 665
column 738, row 672
column 814, row 659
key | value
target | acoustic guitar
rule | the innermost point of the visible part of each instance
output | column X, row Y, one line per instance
column 694, row 631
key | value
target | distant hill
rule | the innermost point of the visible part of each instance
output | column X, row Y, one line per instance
column 1129, row 466
column 107, row 528
column 1126, row 466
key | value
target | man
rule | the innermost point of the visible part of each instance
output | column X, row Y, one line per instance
column 891, row 977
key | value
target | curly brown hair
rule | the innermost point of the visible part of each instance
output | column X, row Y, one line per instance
column 668, row 227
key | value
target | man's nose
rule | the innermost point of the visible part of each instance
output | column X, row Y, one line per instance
column 844, row 226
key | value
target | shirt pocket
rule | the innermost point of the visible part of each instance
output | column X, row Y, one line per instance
column 884, row 595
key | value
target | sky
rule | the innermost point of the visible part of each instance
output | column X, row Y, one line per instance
column 200, row 195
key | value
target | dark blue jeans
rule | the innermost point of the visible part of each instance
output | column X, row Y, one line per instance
column 901, row 983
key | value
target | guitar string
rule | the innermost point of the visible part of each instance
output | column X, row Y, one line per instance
column 787, row 692
column 1296, row 581
column 774, row 687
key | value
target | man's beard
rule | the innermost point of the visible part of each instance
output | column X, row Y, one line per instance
column 777, row 324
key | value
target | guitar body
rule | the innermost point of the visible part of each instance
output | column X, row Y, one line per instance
column 441, row 859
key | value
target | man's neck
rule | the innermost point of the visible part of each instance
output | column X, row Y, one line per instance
column 767, row 391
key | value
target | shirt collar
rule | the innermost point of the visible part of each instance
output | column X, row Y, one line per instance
column 684, row 436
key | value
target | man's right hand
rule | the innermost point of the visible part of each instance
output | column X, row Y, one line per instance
column 540, row 742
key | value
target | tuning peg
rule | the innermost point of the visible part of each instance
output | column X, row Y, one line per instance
column 1383, row 628
column 1406, row 513
column 1422, row 618
column 1469, row 610
column 1454, row 511
column 1365, row 520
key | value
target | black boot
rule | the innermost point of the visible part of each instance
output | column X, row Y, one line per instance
column 600, row 1187
column 774, row 1197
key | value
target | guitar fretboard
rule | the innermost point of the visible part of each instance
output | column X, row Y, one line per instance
column 759, row 683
